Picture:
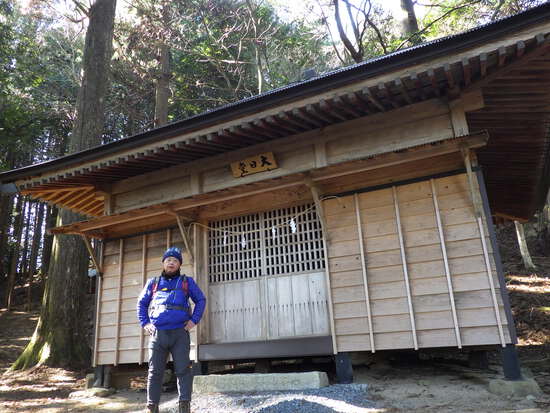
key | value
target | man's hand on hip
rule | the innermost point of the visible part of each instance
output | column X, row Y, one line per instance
column 149, row 328
column 189, row 325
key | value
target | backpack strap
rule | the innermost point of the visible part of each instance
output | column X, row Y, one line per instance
column 185, row 286
column 154, row 286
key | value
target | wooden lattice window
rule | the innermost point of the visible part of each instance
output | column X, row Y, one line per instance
column 269, row 247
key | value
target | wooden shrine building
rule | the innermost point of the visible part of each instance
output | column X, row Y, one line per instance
column 349, row 212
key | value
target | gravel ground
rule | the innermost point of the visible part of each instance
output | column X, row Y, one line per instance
column 341, row 398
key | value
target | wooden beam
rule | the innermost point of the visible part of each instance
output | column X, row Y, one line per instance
column 433, row 80
column 287, row 127
column 50, row 190
column 405, row 269
column 540, row 49
column 374, row 100
column 419, row 86
column 490, row 279
column 399, row 84
column 175, row 207
column 355, row 99
column 483, row 64
column 185, row 238
column 300, row 114
column 446, row 263
column 92, row 255
column 342, row 104
column 364, row 270
column 501, row 56
column 520, row 48
column 327, row 108
column 458, row 118
column 467, row 72
column 386, row 93
column 474, row 194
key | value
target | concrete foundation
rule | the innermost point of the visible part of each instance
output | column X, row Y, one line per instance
column 259, row 382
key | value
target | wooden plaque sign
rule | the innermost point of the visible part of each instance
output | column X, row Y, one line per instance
column 259, row 163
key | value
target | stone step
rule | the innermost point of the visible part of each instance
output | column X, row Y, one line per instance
column 219, row 383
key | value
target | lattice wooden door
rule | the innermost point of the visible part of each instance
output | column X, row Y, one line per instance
column 266, row 276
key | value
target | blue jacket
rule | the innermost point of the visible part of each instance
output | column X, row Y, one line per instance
column 169, row 293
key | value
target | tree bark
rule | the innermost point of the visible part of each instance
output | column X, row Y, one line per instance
column 6, row 206
column 17, row 233
column 98, row 48
column 60, row 335
column 162, row 93
column 525, row 256
column 409, row 24
column 51, row 219
column 37, row 236
column 27, row 207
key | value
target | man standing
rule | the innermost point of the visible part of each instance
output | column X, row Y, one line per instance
column 164, row 312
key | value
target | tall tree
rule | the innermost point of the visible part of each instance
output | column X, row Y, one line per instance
column 17, row 233
column 36, row 239
column 60, row 335
column 409, row 24
column 162, row 92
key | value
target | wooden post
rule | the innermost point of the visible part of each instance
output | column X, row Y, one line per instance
column 143, row 281
column 446, row 262
column 98, row 309
column 119, row 303
column 197, row 271
column 405, row 270
column 326, row 240
column 364, row 270
column 206, row 317
column 478, row 210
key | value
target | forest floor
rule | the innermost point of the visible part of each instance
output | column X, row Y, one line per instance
column 434, row 382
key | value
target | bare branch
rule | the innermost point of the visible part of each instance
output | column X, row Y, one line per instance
column 355, row 54
column 333, row 42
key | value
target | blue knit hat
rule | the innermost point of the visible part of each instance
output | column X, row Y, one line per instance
column 173, row 252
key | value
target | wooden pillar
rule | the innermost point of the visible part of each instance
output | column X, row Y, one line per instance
column 326, row 240
column 99, row 292
column 478, row 210
column 143, row 282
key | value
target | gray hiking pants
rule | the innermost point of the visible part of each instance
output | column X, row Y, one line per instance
column 176, row 342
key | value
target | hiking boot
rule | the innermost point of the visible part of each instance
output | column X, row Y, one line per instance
column 153, row 408
column 184, row 406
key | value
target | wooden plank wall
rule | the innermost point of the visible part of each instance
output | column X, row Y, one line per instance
column 408, row 287
column 127, row 264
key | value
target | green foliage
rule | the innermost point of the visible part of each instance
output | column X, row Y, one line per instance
column 38, row 85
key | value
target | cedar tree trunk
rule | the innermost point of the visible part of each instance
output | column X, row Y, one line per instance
column 60, row 335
